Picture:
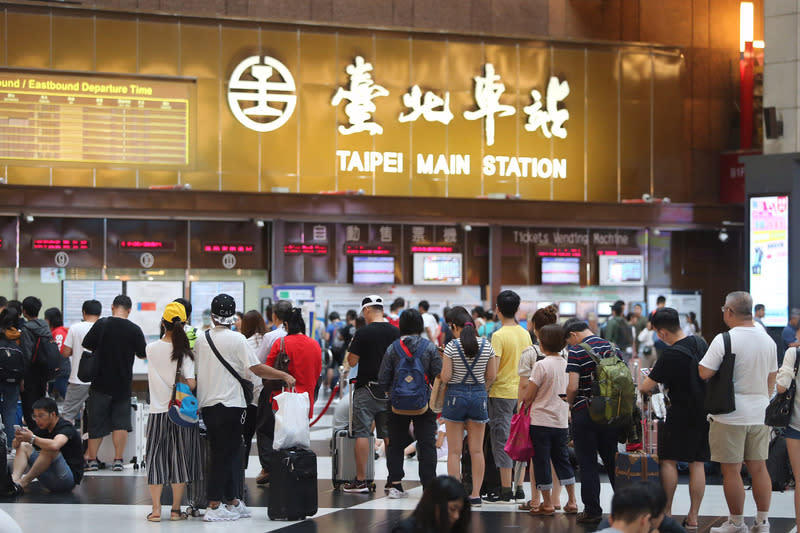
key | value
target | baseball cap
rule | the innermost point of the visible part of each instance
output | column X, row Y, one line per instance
column 223, row 309
column 174, row 310
column 371, row 300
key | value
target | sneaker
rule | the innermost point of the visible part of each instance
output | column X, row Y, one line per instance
column 763, row 527
column 397, row 493
column 519, row 494
column 240, row 509
column 220, row 514
column 356, row 486
column 91, row 466
column 586, row 518
column 505, row 496
column 117, row 466
column 474, row 502
column 730, row 527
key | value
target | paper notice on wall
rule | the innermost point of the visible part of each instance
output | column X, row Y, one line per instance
column 149, row 299
column 75, row 292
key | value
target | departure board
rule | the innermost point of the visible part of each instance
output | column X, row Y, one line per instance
column 90, row 119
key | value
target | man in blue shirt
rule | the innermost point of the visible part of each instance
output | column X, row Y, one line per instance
column 789, row 334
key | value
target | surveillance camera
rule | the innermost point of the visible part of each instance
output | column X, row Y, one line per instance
column 647, row 198
column 28, row 218
column 666, row 200
column 723, row 235
column 467, row 227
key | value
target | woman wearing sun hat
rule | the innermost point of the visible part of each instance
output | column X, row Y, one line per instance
column 173, row 451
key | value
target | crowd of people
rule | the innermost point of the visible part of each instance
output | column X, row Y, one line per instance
column 495, row 365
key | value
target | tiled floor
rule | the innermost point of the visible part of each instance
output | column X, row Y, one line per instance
column 119, row 501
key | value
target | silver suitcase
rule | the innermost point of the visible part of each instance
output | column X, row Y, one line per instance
column 137, row 438
column 343, row 457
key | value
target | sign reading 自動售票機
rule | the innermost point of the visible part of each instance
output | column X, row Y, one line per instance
column 262, row 96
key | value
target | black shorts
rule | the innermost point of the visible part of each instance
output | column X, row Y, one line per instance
column 105, row 414
column 678, row 441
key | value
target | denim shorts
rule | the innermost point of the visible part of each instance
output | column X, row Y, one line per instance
column 58, row 477
column 464, row 402
column 792, row 433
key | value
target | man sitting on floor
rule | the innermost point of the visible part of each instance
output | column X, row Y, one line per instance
column 53, row 451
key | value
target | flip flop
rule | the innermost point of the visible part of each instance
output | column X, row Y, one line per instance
column 151, row 518
column 176, row 515
column 526, row 506
column 570, row 509
column 542, row 511
column 689, row 527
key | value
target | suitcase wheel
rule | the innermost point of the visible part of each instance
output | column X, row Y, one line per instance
column 336, row 485
column 372, row 487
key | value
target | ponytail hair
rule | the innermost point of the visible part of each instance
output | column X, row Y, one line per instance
column 461, row 318
column 180, row 342
column 295, row 323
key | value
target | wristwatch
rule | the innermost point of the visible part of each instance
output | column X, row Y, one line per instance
column 33, row 438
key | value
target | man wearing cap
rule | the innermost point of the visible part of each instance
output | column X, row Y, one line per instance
column 115, row 340
column 369, row 399
column 223, row 406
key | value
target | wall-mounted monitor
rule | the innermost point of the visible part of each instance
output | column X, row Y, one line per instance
column 568, row 308
column 769, row 257
column 438, row 269
column 561, row 270
column 542, row 305
column 621, row 270
column 372, row 270
column 604, row 308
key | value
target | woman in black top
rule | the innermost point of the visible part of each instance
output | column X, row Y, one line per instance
column 443, row 508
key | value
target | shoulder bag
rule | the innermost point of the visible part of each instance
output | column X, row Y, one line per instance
column 720, row 398
column 281, row 363
column 247, row 385
column 89, row 363
column 779, row 410
column 183, row 404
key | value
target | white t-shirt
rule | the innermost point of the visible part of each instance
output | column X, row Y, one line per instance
column 548, row 409
column 74, row 340
column 267, row 342
column 161, row 374
column 214, row 383
column 428, row 322
column 756, row 359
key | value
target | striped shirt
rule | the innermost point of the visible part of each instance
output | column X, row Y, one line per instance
column 460, row 371
column 582, row 364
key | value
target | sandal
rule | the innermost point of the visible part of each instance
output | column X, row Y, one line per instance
column 527, row 506
column 177, row 514
column 151, row 518
column 542, row 511
column 689, row 527
column 570, row 509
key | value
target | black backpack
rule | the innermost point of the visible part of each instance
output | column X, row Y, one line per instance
column 778, row 465
column 12, row 362
column 46, row 357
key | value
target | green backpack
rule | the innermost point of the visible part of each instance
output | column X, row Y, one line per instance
column 613, row 393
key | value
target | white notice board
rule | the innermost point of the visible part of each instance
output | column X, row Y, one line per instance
column 75, row 292
column 202, row 292
column 149, row 299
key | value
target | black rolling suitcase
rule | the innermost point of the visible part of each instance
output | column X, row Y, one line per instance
column 197, row 491
column 293, row 484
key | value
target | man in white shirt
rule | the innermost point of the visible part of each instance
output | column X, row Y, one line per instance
column 221, row 398
column 741, row 436
column 77, row 390
column 428, row 322
column 759, row 311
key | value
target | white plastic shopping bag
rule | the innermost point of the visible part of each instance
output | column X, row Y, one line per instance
column 291, row 421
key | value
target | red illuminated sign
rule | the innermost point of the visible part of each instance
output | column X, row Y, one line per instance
column 354, row 249
column 228, row 248
column 150, row 246
column 607, row 252
column 305, row 249
column 1, row 243
column 60, row 244
column 560, row 252
column 432, row 249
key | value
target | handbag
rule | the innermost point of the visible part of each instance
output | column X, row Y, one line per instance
column 519, row 446
column 438, row 392
column 247, row 385
column 89, row 364
column 779, row 410
column 720, row 399
column 183, row 404
column 281, row 363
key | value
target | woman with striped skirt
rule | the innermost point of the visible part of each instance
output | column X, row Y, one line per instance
column 173, row 451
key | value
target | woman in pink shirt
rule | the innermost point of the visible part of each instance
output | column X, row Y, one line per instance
column 550, row 421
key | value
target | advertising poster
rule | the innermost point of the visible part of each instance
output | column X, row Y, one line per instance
column 769, row 257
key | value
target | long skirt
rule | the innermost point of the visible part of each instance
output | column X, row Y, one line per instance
column 173, row 451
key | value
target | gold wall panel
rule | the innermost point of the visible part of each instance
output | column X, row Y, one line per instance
column 70, row 34
column 28, row 40
column 609, row 99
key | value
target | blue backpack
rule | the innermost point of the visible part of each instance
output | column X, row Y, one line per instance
column 410, row 391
